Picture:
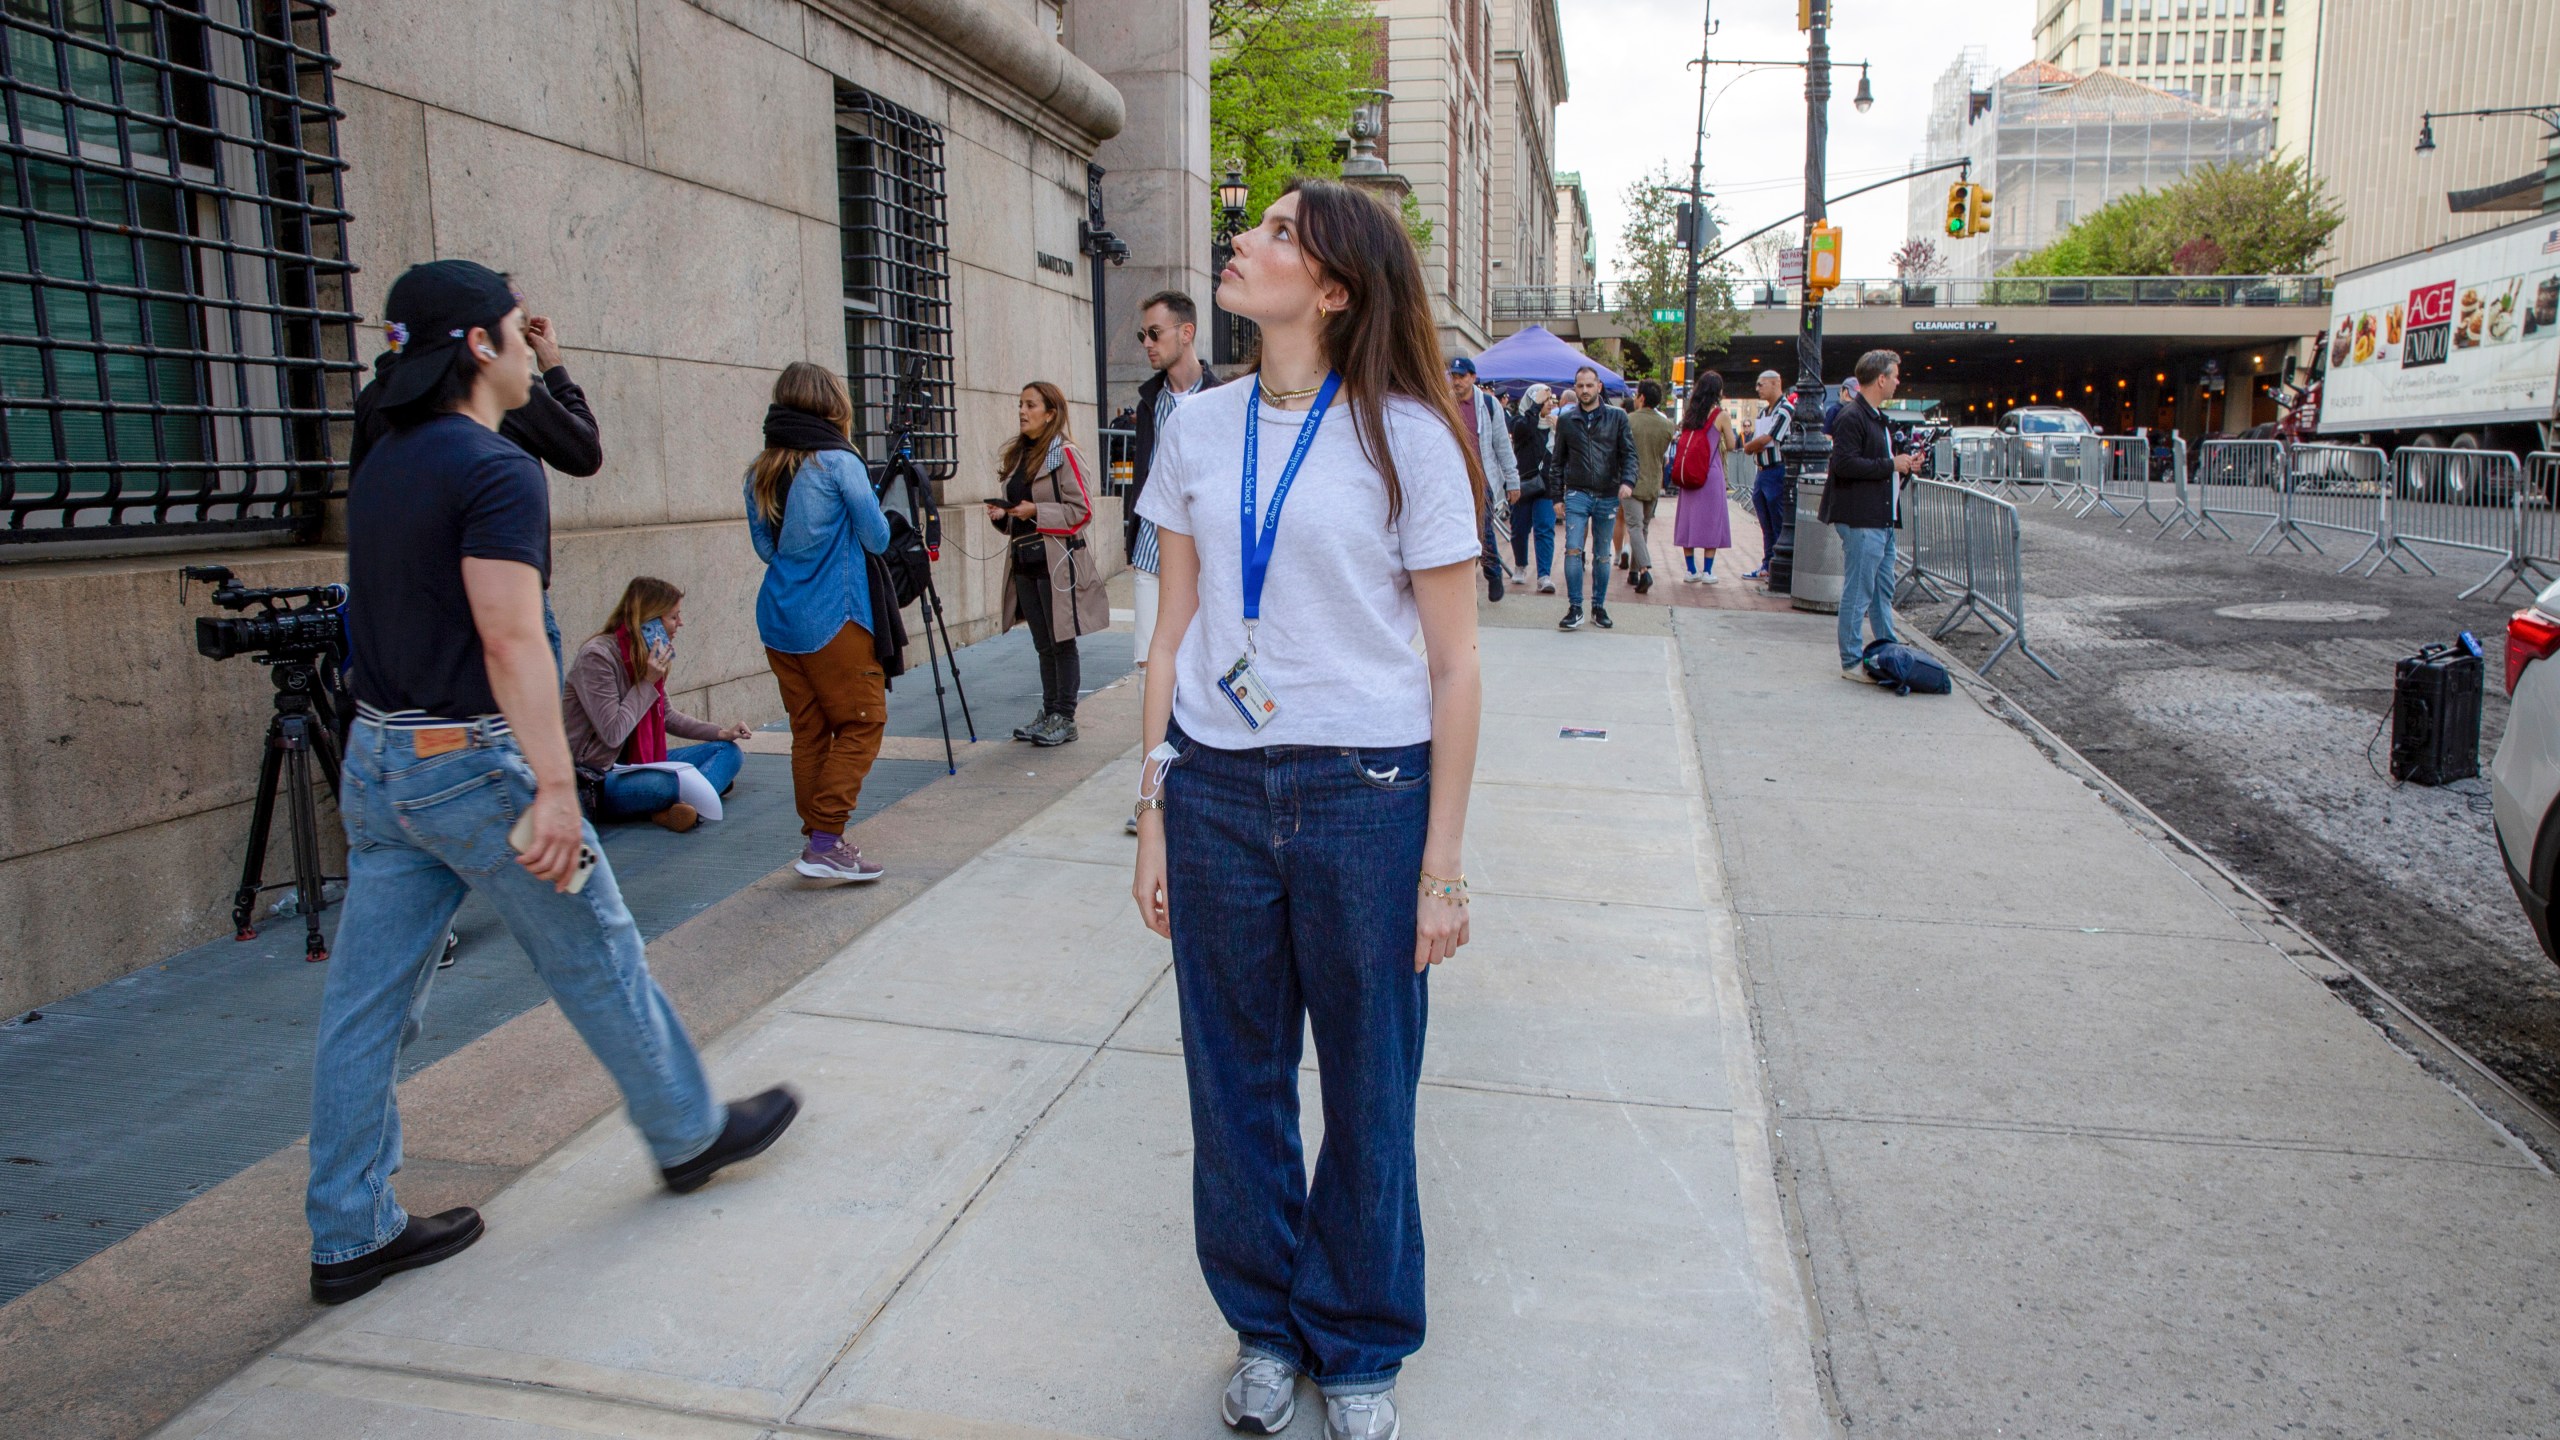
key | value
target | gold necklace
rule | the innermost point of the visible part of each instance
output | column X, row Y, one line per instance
column 1281, row 396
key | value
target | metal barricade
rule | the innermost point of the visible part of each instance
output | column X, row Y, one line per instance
column 2243, row 478
column 2182, row 516
column 1119, row 466
column 2340, row 488
column 2537, row 554
column 1965, row 546
column 2458, row 500
column 2116, row 469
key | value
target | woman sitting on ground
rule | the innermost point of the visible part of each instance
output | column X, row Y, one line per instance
column 615, row 706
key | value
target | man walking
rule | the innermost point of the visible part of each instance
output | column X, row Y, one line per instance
column 1831, row 412
column 458, row 779
column 1595, row 454
column 1169, row 333
column 1483, row 415
column 1769, row 487
column 1653, row 432
column 1861, row 504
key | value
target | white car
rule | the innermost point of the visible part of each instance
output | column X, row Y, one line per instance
column 2524, row 777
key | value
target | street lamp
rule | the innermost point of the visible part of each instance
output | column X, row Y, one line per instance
column 1865, row 99
column 2549, row 115
column 1227, row 337
column 1232, row 192
column 2426, row 134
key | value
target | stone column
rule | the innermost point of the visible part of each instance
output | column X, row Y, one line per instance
column 1156, row 189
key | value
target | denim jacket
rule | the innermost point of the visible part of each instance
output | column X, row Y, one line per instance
column 815, row 577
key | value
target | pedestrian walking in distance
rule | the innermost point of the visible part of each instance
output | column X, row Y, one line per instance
column 1533, row 504
column 1653, row 433
column 1492, row 439
column 1769, row 485
column 1305, row 790
column 816, row 524
column 1052, row 583
column 1705, row 520
column 1862, row 505
column 1595, row 458
column 458, row 780
column 1168, row 333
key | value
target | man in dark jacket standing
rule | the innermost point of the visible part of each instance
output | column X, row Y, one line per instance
column 1861, row 504
column 1595, row 461
column 1169, row 332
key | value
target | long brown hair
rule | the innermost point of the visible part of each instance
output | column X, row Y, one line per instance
column 1023, row 453
column 1382, row 342
column 1705, row 398
column 645, row 599
column 813, row 389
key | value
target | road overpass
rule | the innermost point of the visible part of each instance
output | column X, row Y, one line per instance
column 2127, row 350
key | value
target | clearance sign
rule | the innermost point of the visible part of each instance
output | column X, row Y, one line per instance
column 2464, row 334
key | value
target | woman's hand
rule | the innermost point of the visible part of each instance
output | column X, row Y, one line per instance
column 661, row 660
column 1147, row 887
column 1439, row 928
column 739, row 731
column 1027, row 510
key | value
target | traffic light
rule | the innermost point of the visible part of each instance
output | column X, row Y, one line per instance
column 1679, row 369
column 1822, row 257
column 1959, row 210
column 1978, row 213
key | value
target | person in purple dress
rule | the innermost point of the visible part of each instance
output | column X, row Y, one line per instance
column 1705, row 520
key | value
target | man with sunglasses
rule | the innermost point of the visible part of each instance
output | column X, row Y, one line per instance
column 1168, row 330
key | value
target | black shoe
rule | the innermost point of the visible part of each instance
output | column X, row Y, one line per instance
column 1600, row 618
column 1572, row 619
column 754, row 1123
column 1643, row 582
column 1493, row 585
column 424, row 1242
column 1032, row 730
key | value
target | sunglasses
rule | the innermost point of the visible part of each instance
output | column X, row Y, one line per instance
column 1152, row 333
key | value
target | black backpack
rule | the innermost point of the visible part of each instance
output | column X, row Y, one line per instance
column 909, row 566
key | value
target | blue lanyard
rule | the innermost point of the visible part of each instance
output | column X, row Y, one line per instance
column 1257, row 550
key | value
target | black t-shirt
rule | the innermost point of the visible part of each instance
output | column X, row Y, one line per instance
column 427, row 497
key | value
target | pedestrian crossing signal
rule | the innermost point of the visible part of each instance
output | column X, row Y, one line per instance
column 1978, row 212
column 1959, row 210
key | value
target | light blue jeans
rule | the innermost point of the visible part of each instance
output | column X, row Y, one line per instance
column 1866, row 587
column 639, row 794
column 1597, row 515
column 419, row 834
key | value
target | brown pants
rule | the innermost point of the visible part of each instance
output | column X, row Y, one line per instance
column 839, row 703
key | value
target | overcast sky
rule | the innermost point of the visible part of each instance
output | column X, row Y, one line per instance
column 1634, row 104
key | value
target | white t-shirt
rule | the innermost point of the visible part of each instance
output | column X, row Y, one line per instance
column 1335, row 646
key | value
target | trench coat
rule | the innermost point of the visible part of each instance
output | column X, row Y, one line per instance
column 1063, row 500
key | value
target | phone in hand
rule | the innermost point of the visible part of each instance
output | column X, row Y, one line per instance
column 519, row 838
column 653, row 635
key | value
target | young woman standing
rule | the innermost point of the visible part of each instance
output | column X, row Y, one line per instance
column 1705, row 518
column 1292, row 842
column 813, row 518
column 1052, row 583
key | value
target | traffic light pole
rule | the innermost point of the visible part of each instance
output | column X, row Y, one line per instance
column 1697, row 197
column 1807, row 453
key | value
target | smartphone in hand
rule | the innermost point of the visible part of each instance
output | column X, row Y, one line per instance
column 653, row 635
column 522, row 836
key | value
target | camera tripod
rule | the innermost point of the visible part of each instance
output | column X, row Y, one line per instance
column 903, row 470
column 303, row 729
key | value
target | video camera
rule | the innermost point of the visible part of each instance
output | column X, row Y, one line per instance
column 293, row 622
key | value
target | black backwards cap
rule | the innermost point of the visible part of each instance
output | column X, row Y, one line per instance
column 431, row 308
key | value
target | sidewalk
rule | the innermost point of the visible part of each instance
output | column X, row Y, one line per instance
column 980, row 1226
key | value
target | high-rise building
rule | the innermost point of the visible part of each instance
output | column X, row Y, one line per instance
column 1439, row 136
column 2232, row 56
column 2054, row 146
column 2383, row 65
column 1528, row 84
column 1577, row 250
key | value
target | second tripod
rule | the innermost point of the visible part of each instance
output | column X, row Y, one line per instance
column 302, row 732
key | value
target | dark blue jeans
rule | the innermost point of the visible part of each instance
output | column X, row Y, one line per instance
column 639, row 794
column 1768, row 494
column 1290, row 876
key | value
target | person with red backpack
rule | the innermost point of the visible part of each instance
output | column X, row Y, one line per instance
column 1705, row 521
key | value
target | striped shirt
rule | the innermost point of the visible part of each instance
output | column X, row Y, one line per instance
column 1143, row 555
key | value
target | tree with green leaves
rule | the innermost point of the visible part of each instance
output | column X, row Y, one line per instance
column 2265, row 217
column 1284, row 77
column 1653, row 274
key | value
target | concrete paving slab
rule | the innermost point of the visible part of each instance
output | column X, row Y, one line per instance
column 2130, row 1034
column 2085, row 1285
column 1020, row 945
column 1805, row 761
column 734, row 1300
column 1631, row 758
column 1586, row 1260
column 304, row 1398
column 1957, row 862
column 1625, row 848
column 1090, row 828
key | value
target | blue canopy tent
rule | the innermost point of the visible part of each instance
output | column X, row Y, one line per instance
column 1535, row 356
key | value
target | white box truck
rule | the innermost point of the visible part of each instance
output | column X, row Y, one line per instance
column 2455, row 346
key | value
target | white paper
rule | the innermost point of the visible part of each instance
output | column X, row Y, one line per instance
column 691, row 788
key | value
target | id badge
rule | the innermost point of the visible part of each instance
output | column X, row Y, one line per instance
column 1245, row 690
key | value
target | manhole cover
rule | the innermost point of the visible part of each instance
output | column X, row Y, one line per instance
column 2327, row 612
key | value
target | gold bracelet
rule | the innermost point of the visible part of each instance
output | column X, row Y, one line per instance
column 1434, row 887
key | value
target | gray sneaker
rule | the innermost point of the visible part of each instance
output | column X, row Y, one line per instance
column 1262, row 1394
column 1361, row 1417
column 1054, row 729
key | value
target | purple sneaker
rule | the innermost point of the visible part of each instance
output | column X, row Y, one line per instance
column 835, row 860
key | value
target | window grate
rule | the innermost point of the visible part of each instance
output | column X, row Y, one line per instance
column 897, row 274
column 175, row 331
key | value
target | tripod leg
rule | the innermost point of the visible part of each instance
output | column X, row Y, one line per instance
column 305, row 813
column 262, row 814
column 950, row 761
column 954, row 653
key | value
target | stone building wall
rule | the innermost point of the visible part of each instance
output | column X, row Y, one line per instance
column 659, row 176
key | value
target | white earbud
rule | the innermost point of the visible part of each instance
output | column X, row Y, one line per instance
column 487, row 354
